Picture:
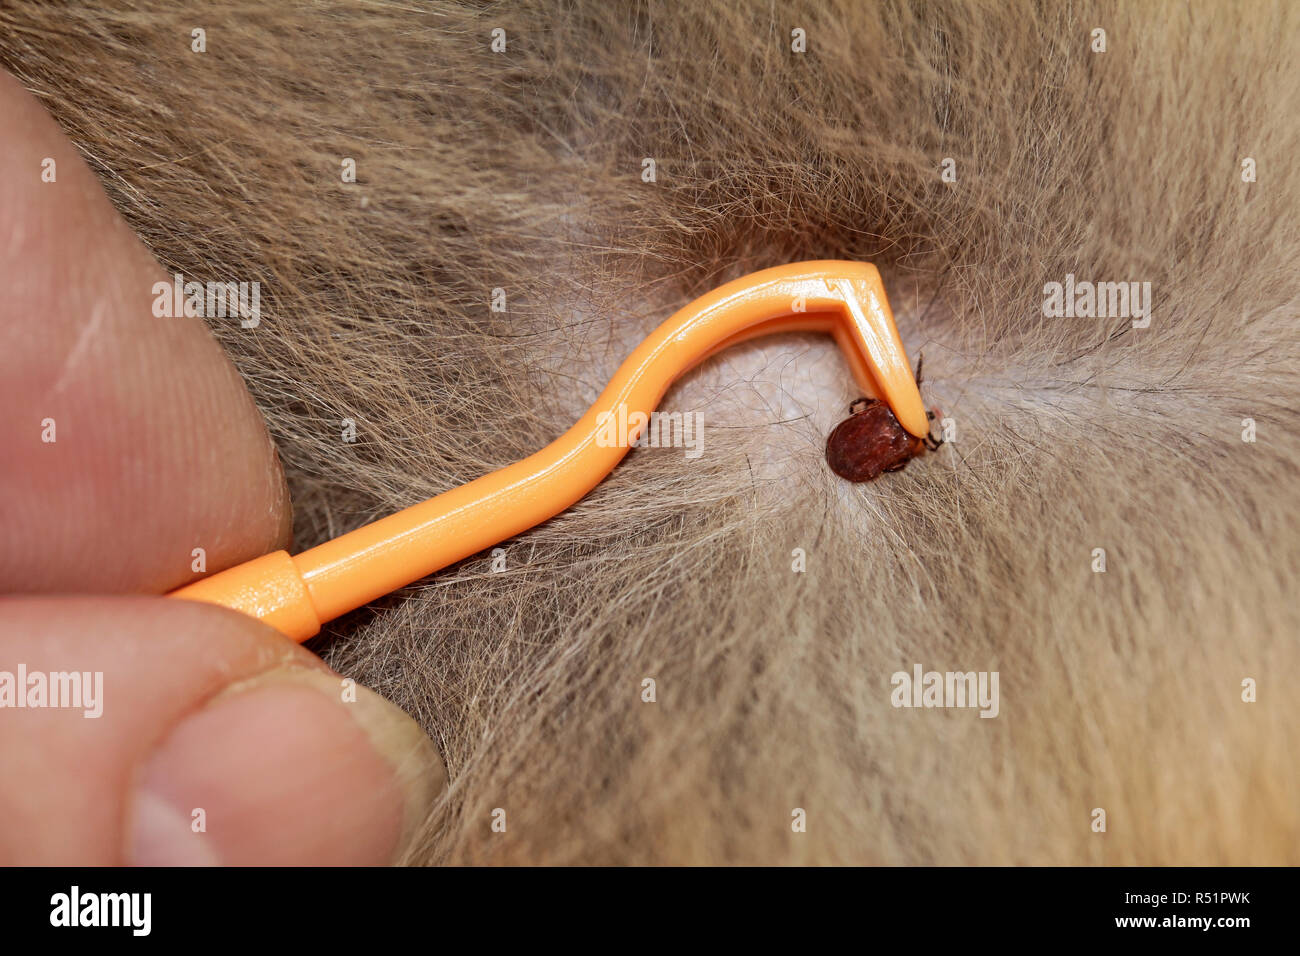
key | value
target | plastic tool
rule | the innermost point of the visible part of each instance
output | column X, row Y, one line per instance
column 297, row 593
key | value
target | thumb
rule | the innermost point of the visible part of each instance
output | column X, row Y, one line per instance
column 216, row 741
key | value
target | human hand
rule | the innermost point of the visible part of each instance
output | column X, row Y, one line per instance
column 130, row 441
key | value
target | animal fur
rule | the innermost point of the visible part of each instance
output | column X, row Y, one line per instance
column 522, row 171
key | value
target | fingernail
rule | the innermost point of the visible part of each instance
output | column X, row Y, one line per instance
column 291, row 767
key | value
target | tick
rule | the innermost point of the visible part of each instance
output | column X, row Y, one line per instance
column 871, row 442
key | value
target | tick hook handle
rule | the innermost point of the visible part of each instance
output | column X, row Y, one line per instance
column 297, row 593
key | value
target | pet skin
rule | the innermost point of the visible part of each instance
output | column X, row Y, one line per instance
column 702, row 650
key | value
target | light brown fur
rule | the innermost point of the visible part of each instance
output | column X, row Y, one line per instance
column 522, row 171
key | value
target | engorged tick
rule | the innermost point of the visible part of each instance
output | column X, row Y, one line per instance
column 871, row 442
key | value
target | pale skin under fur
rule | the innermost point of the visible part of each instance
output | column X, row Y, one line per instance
column 522, row 170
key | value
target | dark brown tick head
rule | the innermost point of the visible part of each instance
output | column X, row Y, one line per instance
column 871, row 441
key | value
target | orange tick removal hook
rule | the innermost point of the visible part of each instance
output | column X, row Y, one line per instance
column 297, row 593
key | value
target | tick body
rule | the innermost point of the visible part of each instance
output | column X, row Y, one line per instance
column 870, row 442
